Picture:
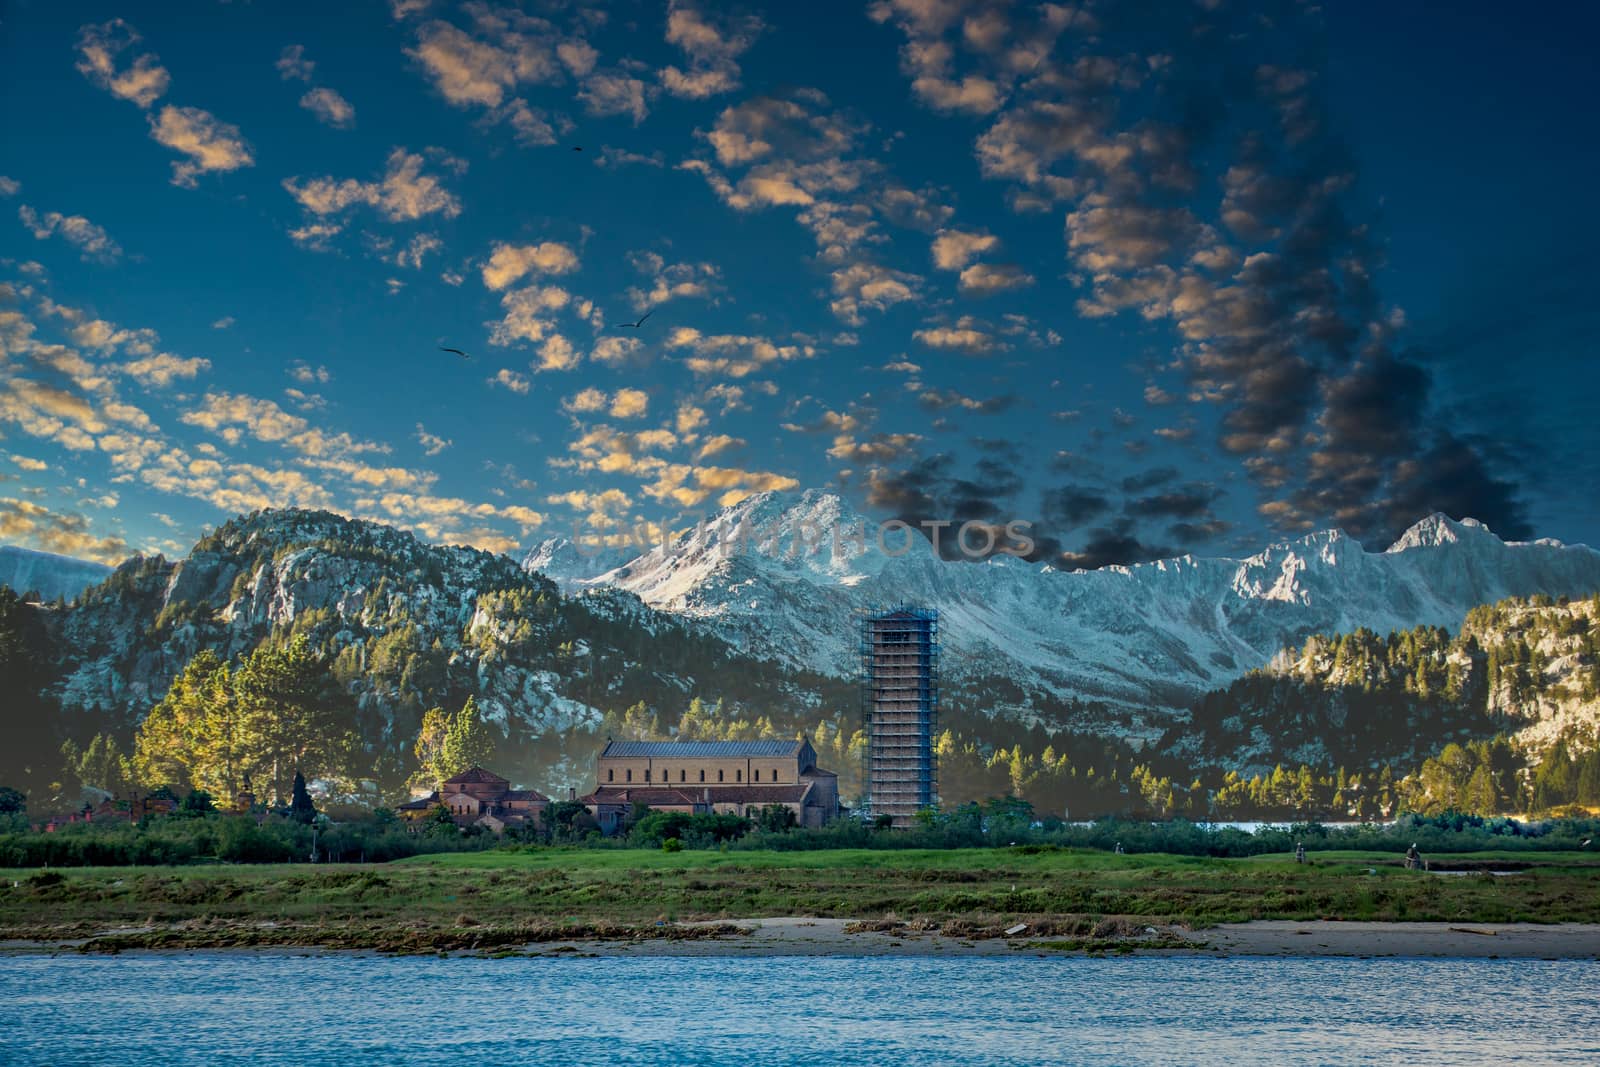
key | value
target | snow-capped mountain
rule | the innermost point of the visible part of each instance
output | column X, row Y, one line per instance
column 50, row 575
column 781, row 575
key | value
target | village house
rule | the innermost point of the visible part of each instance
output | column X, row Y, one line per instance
column 716, row 777
column 477, row 797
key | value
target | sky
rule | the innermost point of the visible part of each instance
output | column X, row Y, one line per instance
column 1158, row 278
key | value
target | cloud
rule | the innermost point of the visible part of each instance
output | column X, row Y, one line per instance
column 1069, row 507
column 610, row 93
column 968, row 336
column 293, row 65
column 234, row 416
column 510, row 379
column 630, row 404
column 330, row 108
column 508, row 262
column 984, row 279
column 416, row 250
column 1268, row 291
column 9, row 186
column 1188, row 502
column 162, row 369
column 306, row 374
column 223, row 323
column 954, row 249
column 669, row 281
column 25, row 522
column 615, row 158
column 733, row 355
column 314, row 236
column 718, row 444
column 468, row 71
column 949, row 399
column 1149, row 479
column 713, row 44
column 1114, row 546
column 504, row 51
column 616, row 350
column 92, row 242
column 868, row 285
column 529, row 317
column 211, row 144
column 403, row 194
column 605, row 508
column 143, row 82
column 586, row 402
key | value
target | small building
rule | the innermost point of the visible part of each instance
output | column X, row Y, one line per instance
column 482, row 798
column 721, row 777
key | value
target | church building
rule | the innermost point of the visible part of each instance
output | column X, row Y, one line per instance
column 720, row 777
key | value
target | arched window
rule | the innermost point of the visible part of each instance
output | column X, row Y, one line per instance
column 719, row 774
column 702, row 774
column 683, row 775
column 647, row 774
column 738, row 776
column 611, row 775
column 630, row 774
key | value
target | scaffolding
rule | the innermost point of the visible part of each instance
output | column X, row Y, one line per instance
column 900, row 711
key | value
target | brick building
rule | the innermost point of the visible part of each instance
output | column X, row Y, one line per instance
column 478, row 797
column 721, row 777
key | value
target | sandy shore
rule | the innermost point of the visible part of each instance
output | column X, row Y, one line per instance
column 841, row 937
column 1506, row 940
column 832, row 937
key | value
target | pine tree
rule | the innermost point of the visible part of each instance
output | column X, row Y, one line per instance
column 301, row 809
column 468, row 742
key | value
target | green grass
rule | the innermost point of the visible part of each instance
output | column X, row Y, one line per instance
column 490, row 899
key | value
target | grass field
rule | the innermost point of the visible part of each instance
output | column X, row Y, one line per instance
column 489, row 899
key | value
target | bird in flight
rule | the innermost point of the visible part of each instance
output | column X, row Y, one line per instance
column 577, row 148
column 636, row 325
column 457, row 351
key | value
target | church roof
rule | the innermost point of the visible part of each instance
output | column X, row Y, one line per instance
column 699, row 749
column 477, row 774
column 657, row 797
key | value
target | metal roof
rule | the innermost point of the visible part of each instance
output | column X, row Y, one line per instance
column 699, row 749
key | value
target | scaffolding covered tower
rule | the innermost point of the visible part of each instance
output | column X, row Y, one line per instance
column 900, row 706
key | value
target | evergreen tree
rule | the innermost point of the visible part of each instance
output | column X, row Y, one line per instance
column 301, row 809
column 468, row 741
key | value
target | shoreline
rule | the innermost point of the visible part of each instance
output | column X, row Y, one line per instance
column 822, row 937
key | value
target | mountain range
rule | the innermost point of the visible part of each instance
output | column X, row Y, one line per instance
column 28, row 571
column 735, row 612
column 1122, row 649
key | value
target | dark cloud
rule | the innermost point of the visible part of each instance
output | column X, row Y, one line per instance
column 1194, row 533
column 1071, row 506
column 1138, row 483
column 949, row 399
column 1115, row 545
column 1189, row 502
column 1270, row 291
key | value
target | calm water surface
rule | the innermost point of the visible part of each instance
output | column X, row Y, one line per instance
column 369, row 1011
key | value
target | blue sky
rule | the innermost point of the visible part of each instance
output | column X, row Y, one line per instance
column 1159, row 279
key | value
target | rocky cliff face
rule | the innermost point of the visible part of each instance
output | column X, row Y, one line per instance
column 754, row 608
column 405, row 625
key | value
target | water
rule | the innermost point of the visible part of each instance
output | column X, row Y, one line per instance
column 216, row 1008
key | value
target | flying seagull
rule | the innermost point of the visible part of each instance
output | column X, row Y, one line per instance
column 636, row 325
column 457, row 351
column 577, row 148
